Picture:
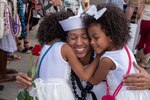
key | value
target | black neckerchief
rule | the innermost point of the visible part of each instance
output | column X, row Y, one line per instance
column 84, row 91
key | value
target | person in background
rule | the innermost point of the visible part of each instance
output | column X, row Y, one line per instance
column 7, row 42
column 131, row 6
column 119, row 3
column 143, row 47
column 72, row 5
column 36, row 12
column 25, row 47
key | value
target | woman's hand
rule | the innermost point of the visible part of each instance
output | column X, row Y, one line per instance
column 138, row 81
column 57, row 2
column 23, row 80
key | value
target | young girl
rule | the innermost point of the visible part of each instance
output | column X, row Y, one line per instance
column 55, row 60
column 143, row 54
column 109, row 32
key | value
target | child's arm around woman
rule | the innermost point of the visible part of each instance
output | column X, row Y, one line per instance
column 84, row 73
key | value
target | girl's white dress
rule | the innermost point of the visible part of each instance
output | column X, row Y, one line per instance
column 54, row 75
column 114, row 77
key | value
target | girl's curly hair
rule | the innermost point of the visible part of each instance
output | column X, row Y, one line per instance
column 113, row 23
column 50, row 28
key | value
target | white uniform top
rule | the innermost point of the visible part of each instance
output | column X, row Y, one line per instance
column 114, row 77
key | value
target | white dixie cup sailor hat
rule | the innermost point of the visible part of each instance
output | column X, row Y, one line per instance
column 73, row 22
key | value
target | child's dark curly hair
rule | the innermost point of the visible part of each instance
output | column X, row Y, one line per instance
column 50, row 28
column 113, row 23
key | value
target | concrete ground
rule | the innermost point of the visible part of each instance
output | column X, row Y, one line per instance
column 23, row 65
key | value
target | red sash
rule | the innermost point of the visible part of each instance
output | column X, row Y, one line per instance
column 112, row 97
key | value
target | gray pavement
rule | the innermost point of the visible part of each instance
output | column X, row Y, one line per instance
column 10, row 89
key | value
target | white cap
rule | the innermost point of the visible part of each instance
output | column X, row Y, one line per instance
column 73, row 22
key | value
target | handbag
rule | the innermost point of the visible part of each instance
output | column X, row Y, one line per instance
column 108, row 97
column 112, row 97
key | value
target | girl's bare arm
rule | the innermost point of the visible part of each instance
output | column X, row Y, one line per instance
column 83, row 73
column 105, row 64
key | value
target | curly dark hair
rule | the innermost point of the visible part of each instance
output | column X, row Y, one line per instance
column 113, row 23
column 50, row 28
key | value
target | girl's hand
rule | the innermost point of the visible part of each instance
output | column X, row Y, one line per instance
column 138, row 81
column 23, row 80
